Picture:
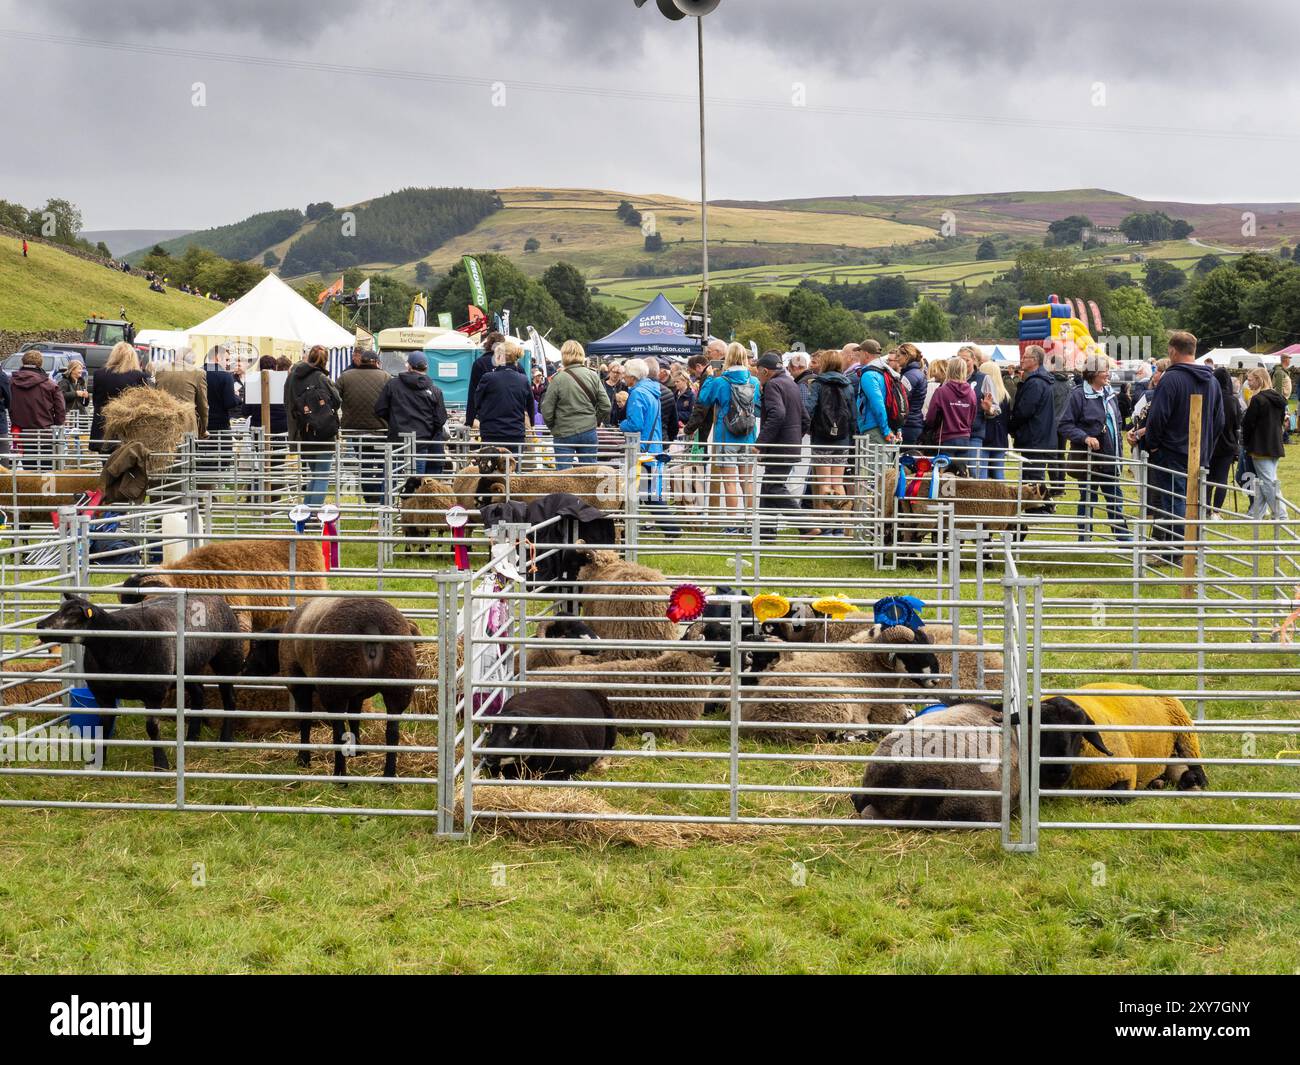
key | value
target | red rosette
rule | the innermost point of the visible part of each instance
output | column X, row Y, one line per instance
column 686, row 603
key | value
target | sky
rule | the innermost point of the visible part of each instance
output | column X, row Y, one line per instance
column 152, row 115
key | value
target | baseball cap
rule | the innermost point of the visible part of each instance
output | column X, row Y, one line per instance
column 770, row 361
column 417, row 361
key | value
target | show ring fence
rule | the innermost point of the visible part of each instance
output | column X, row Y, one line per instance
column 1048, row 612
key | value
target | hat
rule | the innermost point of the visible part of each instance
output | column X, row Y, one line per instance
column 416, row 361
column 770, row 361
column 872, row 346
column 370, row 356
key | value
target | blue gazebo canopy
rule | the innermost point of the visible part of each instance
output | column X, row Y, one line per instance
column 659, row 329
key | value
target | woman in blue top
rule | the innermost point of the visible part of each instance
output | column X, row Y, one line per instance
column 644, row 416
column 733, row 447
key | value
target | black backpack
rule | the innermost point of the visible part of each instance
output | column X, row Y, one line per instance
column 315, row 411
column 833, row 417
column 741, row 413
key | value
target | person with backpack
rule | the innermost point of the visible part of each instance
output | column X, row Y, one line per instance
column 832, row 423
column 734, row 396
column 882, row 402
column 917, row 384
column 312, row 404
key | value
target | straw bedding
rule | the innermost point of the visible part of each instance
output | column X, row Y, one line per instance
column 151, row 417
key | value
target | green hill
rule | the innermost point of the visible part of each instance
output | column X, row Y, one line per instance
column 52, row 290
column 240, row 240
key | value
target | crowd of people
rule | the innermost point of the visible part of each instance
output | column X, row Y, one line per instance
column 727, row 423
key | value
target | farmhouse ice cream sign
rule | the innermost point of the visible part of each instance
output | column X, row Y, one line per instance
column 659, row 325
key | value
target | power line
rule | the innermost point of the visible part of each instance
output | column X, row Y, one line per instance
column 609, row 92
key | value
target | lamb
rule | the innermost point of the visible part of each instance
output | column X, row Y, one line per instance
column 145, row 667
column 598, row 735
column 424, row 505
column 993, row 505
column 882, row 667
column 672, row 686
column 265, row 564
column 638, row 616
column 1179, row 747
column 310, row 654
column 927, row 738
column 32, row 497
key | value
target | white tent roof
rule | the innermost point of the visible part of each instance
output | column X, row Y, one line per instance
column 1238, row 358
column 273, row 309
column 933, row 350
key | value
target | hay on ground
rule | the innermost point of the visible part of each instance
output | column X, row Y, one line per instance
column 151, row 417
column 589, row 833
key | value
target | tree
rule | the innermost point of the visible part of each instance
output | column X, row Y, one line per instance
column 1159, row 277
column 102, row 248
column 986, row 251
column 809, row 317
column 423, row 273
column 1207, row 263
column 927, row 322
column 1068, row 230
column 1147, row 226
column 769, row 336
column 1132, row 314
column 1212, row 308
column 270, row 260
column 59, row 220
column 531, row 245
column 654, row 242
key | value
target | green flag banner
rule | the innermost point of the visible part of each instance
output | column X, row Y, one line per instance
column 477, row 289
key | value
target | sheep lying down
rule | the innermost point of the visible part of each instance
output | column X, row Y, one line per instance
column 866, row 685
column 506, row 734
column 930, row 737
column 1178, row 748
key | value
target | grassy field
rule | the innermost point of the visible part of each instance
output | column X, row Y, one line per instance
column 120, row 891
column 54, row 290
column 932, row 279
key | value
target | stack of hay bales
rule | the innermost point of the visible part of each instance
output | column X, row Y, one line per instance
column 151, row 417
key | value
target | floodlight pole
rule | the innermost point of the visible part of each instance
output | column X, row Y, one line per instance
column 704, row 195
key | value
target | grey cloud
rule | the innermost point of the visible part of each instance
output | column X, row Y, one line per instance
column 294, row 21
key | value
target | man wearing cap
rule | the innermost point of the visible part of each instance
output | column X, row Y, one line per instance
column 411, row 403
column 783, row 420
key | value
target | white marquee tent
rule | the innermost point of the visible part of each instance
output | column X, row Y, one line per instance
column 272, row 319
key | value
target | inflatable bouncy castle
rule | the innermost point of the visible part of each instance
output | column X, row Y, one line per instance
column 1060, row 328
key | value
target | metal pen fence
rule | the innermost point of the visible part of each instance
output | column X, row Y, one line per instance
column 1043, row 613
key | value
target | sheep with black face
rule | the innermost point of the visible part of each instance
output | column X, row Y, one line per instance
column 509, row 736
column 868, row 684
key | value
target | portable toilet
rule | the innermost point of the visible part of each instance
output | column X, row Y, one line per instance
column 450, row 357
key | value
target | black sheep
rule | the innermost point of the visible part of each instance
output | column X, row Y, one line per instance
column 311, row 654
column 599, row 735
column 147, row 667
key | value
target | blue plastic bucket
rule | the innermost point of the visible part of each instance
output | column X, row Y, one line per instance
column 84, row 699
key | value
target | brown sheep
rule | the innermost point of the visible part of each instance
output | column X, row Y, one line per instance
column 32, row 497
column 993, row 505
column 638, row 616
column 218, row 564
column 425, row 502
column 310, row 654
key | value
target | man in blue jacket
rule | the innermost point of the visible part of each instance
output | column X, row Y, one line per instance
column 1033, row 416
column 1167, row 432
